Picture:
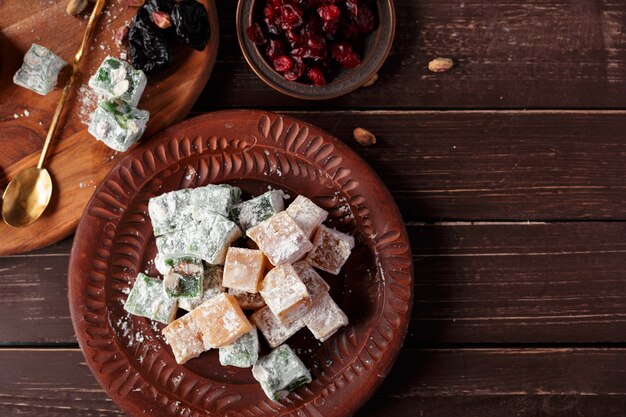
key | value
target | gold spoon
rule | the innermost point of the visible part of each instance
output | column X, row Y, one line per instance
column 28, row 194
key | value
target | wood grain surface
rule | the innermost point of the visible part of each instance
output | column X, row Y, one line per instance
column 516, row 217
column 76, row 161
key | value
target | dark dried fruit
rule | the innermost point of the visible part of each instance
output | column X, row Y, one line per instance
column 256, row 34
column 149, row 50
column 192, row 23
column 311, row 40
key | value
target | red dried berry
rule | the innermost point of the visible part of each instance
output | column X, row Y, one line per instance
column 352, row 8
column 344, row 55
column 291, row 16
column 329, row 13
column 316, row 75
column 282, row 63
column 256, row 34
column 295, row 72
column 365, row 19
column 274, row 48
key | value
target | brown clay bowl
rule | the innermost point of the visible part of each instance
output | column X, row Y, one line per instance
column 252, row 150
column 377, row 47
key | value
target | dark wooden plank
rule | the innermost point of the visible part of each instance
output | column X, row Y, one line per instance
column 494, row 165
column 475, row 284
column 491, row 382
column 508, row 54
column 519, row 283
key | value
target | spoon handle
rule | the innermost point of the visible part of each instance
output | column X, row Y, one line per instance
column 68, row 85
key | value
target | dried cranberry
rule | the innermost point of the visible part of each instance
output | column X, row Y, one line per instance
column 294, row 38
column 272, row 27
column 351, row 31
column 256, row 34
column 291, row 16
column 282, row 63
column 365, row 19
column 329, row 12
column 297, row 70
column 352, row 8
column 345, row 55
column 316, row 75
column 330, row 27
column 274, row 48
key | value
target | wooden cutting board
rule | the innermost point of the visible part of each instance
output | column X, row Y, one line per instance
column 76, row 161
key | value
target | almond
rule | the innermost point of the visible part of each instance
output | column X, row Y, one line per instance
column 440, row 64
column 364, row 136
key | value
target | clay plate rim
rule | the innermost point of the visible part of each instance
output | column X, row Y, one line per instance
column 378, row 218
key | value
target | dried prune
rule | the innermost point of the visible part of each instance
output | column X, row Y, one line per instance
column 192, row 23
column 149, row 50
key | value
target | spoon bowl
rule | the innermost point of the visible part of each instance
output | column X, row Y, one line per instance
column 26, row 197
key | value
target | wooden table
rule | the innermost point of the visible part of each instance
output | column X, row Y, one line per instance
column 509, row 171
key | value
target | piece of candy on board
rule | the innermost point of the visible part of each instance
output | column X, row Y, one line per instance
column 40, row 70
column 147, row 299
column 118, row 79
column 280, row 372
column 170, row 212
column 274, row 331
column 247, row 300
column 252, row 212
column 184, row 338
column 184, row 277
column 211, row 286
column 117, row 124
column 331, row 250
column 243, row 353
column 285, row 294
column 221, row 320
column 307, row 215
column 280, row 239
column 220, row 199
column 325, row 318
column 314, row 283
column 244, row 269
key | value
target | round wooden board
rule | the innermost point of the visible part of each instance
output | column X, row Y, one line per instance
column 253, row 150
column 76, row 161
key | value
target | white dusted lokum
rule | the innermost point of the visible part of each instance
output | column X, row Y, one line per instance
column 314, row 283
column 218, row 199
column 208, row 239
column 325, row 318
column 171, row 211
column 40, row 70
column 243, row 353
column 184, row 277
column 254, row 211
column 118, row 79
column 280, row 372
column 285, row 294
column 147, row 299
column 117, row 124
column 211, row 286
column 244, row 269
column 247, row 300
column 331, row 250
column 220, row 320
column 274, row 331
column 280, row 238
column 307, row 215
column 185, row 339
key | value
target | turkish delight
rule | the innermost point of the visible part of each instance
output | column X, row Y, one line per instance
column 117, row 124
column 218, row 199
column 307, row 215
column 243, row 353
column 325, row 318
column 221, row 320
column 280, row 238
column 208, row 239
column 211, row 286
column 254, row 211
column 40, row 70
column 274, row 331
column 244, row 269
column 185, row 339
column 247, row 300
column 170, row 212
column 331, row 250
column 280, row 372
column 184, row 278
column 285, row 294
column 148, row 299
column 118, row 79
column 314, row 283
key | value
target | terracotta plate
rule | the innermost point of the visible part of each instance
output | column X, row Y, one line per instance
column 253, row 150
column 76, row 161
